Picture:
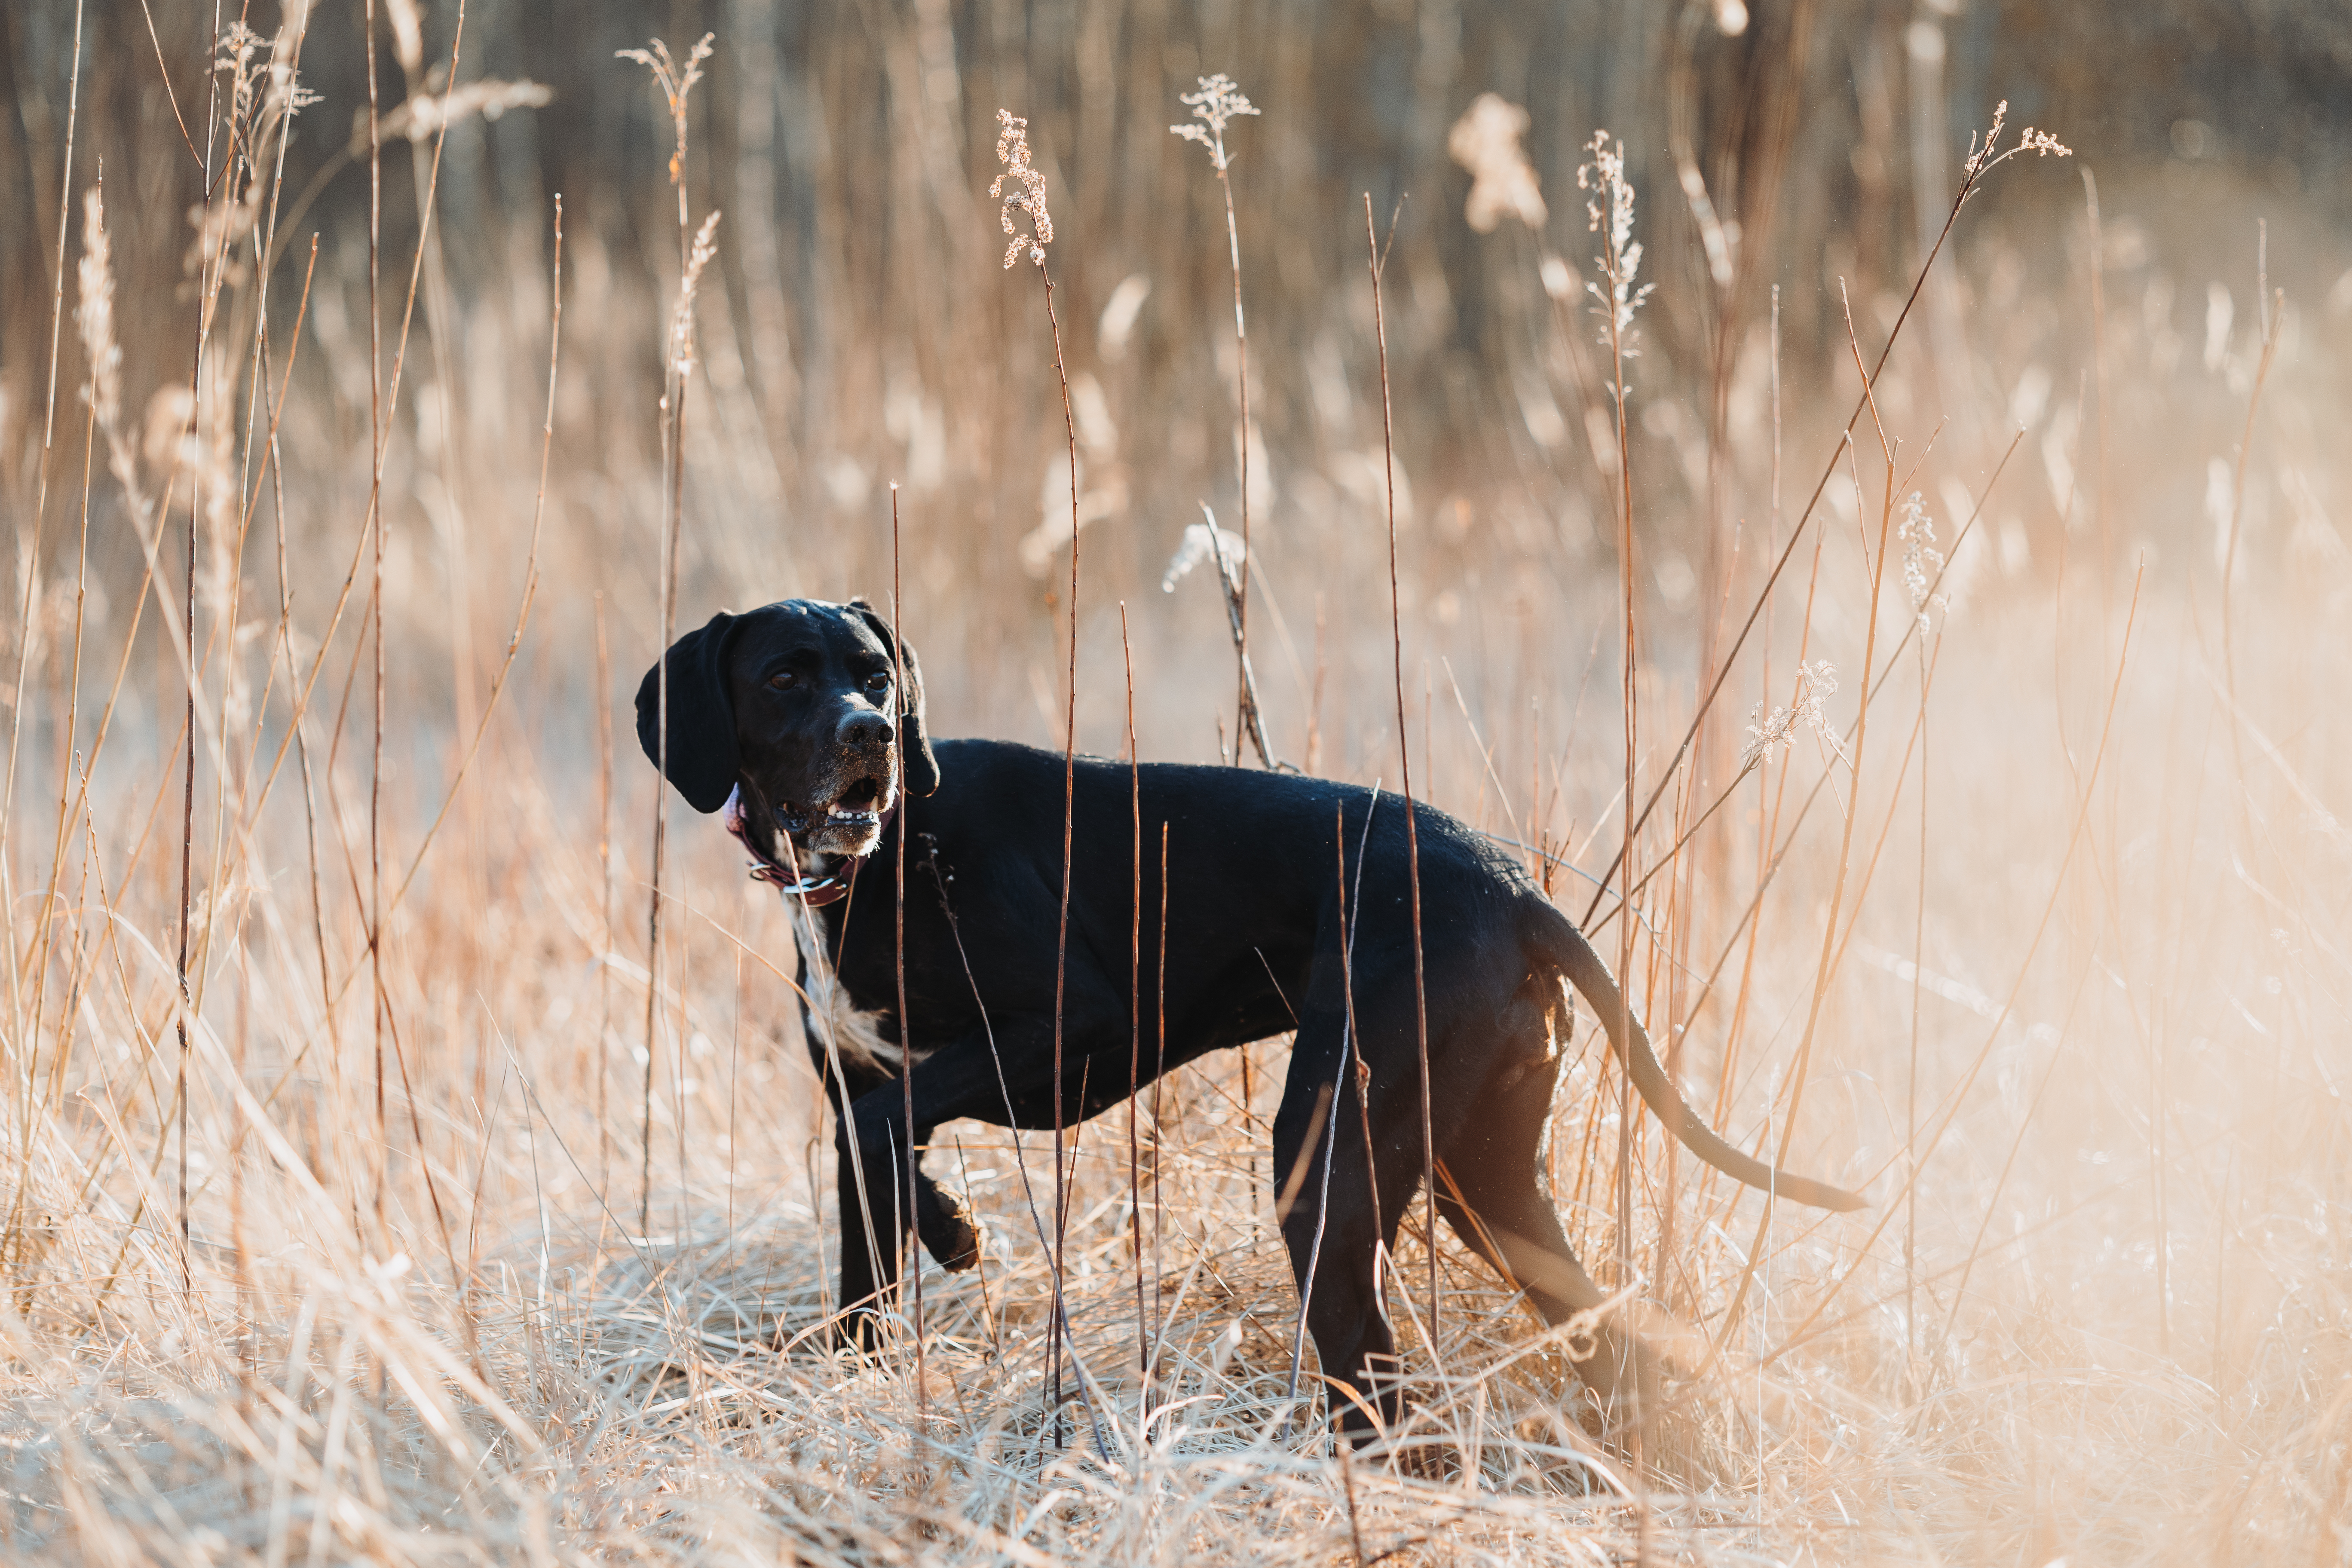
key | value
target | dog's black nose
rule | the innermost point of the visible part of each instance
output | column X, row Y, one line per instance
column 866, row 730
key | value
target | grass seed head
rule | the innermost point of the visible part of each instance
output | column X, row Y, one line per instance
column 94, row 311
column 1609, row 212
column 1990, row 155
column 1013, row 151
column 1218, row 102
column 424, row 115
column 1198, row 539
column 1921, row 562
column 677, row 83
column 681, row 327
column 1816, row 683
column 1485, row 140
column 407, row 34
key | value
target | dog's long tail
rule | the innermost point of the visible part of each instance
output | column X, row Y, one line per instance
column 1565, row 945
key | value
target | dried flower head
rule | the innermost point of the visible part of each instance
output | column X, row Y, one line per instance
column 422, row 115
column 1200, row 539
column 1921, row 562
column 1816, row 683
column 233, row 56
column 681, row 327
column 1218, row 101
column 262, row 95
column 1485, row 140
column 94, row 318
column 1984, row 159
column 94, row 311
column 677, row 83
column 1013, row 151
column 407, row 34
column 1609, row 212
column 187, row 444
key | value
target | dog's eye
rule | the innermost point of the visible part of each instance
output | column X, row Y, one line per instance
column 785, row 681
column 877, row 683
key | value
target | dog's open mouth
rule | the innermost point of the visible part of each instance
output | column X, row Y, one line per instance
column 855, row 810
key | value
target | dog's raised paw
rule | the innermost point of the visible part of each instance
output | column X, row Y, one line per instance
column 954, row 1239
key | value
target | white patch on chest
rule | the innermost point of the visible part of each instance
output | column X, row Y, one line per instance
column 839, row 1027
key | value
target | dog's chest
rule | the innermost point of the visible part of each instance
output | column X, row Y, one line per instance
column 855, row 1038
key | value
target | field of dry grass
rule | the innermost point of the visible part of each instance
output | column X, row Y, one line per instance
column 372, row 1189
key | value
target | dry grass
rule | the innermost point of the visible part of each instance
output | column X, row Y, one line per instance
column 2069, row 999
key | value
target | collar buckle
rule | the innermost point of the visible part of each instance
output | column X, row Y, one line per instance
column 813, row 891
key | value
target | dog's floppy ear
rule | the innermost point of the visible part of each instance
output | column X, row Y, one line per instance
column 918, row 769
column 702, row 759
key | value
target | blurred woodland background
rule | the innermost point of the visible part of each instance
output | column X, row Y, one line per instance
column 861, row 336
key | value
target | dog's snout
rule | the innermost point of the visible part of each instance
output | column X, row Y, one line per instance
column 865, row 731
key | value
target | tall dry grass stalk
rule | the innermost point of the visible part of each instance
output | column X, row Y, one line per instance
column 676, row 82
column 1029, row 237
column 899, row 975
column 1373, row 252
column 1217, row 103
column 1135, row 1006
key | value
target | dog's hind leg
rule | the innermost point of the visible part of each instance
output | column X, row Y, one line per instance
column 1490, row 1190
column 1335, row 1229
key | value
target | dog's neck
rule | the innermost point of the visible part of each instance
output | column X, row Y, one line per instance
column 820, row 880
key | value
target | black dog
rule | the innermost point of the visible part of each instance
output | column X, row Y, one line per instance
column 806, row 723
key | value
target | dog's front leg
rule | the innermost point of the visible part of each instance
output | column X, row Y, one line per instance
column 1005, row 1077
column 943, row 1221
column 871, row 1197
column 876, row 1154
column 868, row 1228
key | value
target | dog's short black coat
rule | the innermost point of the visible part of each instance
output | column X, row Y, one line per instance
column 806, row 713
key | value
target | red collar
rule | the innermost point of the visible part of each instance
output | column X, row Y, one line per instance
column 814, row 891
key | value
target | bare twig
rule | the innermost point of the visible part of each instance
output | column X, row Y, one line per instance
column 1404, row 752
column 1218, row 102
column 677, row 82
column 1135, row 1003
column 899, row 970
column 1029, row 199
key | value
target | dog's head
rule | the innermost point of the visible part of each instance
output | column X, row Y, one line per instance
column 810, row 708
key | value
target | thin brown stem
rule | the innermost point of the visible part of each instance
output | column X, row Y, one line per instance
column 1135, row 1003
column 899, row 970
column 1069, row 809
column 188, row 766
column 1246, row 718
column 1159, row 1077
column 377, row 421
column 676, row 83
column 603, row 903
column 1404, row 752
